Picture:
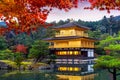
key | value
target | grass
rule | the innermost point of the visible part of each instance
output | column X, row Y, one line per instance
column 25, row 64
column 15, row 72
column 11, row 63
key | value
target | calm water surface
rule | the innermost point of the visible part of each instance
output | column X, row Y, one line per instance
column 43, row 75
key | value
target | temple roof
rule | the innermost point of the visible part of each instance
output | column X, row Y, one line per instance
column 71, row 24
column 67, row 38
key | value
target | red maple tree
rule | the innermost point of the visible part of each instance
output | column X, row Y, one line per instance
column 21, row 48
column 22, row 15
column 105, row 5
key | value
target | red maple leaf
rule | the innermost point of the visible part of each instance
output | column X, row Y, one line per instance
column 21, row 48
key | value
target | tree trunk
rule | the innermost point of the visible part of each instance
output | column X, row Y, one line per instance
column 110, row 30
column 19, row 67
column 114, row 74
column 38, row 59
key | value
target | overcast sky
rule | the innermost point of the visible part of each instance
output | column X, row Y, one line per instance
column 80, row 13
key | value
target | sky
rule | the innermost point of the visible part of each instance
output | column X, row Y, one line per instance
column 80, row 13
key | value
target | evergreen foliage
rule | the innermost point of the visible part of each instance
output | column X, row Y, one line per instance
column 39, row 50
column 111, row 61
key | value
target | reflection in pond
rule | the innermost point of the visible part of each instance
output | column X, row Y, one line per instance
column 75, row 72
column 28, row 75
column 71, row 77
column 79, row 69
column 61, row 73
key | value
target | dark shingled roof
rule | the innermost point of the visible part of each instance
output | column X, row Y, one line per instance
column 71, row 24
column 67, row 37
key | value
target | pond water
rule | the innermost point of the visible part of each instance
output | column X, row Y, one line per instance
column 51, row 75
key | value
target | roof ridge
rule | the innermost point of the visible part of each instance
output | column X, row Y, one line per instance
column 71, row 24
column 68, row 37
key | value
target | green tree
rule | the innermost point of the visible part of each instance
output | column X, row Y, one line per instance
column 3, row 44
column 109, row 24
column 42, row 33
column 111, row 62
column 49, row 32
column 6, row 55
column 39, row 50
column 18, row 58
column 23, row 39
column 52, row 58
column 94, row 34
column 9, row 55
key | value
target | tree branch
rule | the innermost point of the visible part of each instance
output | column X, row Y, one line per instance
column 110, row 70
column 118, row 68
column 118, row 74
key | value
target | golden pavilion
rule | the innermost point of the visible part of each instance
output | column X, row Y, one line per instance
column 73, row 46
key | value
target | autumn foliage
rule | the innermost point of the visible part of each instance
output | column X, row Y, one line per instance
column 105, row 5
column 21, row 48
column 23, row 15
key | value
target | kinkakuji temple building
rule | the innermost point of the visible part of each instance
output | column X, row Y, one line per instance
column 73, row 47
